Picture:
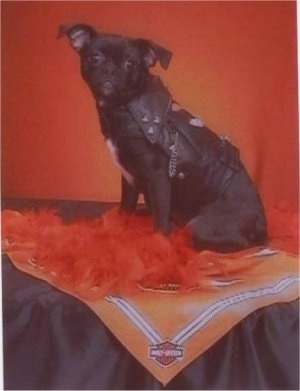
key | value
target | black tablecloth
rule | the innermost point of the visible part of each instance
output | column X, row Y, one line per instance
column 54, row 341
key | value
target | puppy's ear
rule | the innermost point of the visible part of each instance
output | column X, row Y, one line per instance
column 153, row 52
column 79, row 34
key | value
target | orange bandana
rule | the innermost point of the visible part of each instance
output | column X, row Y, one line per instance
column 167, row 331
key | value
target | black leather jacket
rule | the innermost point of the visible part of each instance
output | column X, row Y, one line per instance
column 194, row 150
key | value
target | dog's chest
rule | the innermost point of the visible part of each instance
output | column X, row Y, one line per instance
column 114, row 152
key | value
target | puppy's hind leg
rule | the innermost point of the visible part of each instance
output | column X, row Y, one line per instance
column 215, row 233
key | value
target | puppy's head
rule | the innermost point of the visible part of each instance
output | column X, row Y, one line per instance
column 114, row 67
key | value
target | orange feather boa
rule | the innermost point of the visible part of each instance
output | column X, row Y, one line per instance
column 119, row 253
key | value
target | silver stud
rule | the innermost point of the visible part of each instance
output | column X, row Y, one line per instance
column 156, row 119
column 150, row 130
column 181, row 175
column 224, row 138
column 175, row 106
column 145, row 118
column 196, row 122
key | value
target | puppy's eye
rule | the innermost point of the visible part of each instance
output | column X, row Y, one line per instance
column 130, row 64
column 95, row 59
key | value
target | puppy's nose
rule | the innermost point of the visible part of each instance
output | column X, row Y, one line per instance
column 109, row 69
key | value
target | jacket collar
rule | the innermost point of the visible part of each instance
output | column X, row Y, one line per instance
column 150, row 109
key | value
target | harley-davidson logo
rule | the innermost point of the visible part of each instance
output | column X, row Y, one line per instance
column 165, row 353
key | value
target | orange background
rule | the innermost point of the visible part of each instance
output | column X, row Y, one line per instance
column 234, row 64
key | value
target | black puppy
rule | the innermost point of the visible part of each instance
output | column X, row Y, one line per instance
column 187, row 173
